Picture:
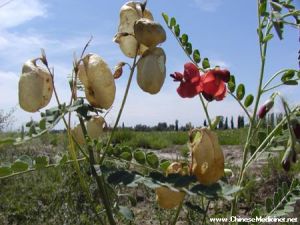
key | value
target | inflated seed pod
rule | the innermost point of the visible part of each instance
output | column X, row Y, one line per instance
column 207, row 156
column 151, row 70
column 35, row 87
column 149, row 33
column 130, row 12
column 167, row 198
column 98, row 81
column 94, row 129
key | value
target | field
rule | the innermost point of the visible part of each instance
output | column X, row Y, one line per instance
column 54, row 196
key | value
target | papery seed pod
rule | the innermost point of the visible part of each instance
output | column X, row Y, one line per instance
column 98, row 81
column 118, row 70
column 167, row 198
column 149, row 33
column 129, row 13
column 94, row 129
column 207, row 156
column 35, row 87
column 228, row 172
column 151, row 70
column 265, row 108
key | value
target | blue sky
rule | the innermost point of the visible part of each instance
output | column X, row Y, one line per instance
column 224, row 31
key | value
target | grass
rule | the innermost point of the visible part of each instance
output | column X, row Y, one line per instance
column 165, row 139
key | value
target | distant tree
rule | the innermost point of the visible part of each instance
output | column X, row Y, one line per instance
column 205, row 123
column 221, row 124
column 171, row 127
column 123, row 125
column 162, row 126
column 226, row 124
column 232, row 123
column 176, row 125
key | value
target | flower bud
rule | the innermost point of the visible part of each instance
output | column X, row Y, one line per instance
column 35, row 87
column 94, row 129
column 98, row 81
column 167, row 198
column 289, row 157
column 207, row 156
column 151, row 70
column 265, row 108
column 129, row 13
column 149, row 33
column 296, row 129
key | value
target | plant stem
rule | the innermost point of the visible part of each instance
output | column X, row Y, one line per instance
column 275, row 75
column 121, row 108
column 177, row 214
column 205, row 213
column 99, row 179
column 206, row 111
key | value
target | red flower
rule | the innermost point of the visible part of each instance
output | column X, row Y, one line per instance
column 265, row 108
column 214, row 86
column 190, row 81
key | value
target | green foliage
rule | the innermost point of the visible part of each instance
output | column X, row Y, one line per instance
column 249, row 100
column 240, row 92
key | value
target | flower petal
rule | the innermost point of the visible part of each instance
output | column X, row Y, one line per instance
column 190, row 71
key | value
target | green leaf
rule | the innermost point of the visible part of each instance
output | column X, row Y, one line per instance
column 276, row 6
column 116, row 151
column 276, row 199
column 288, row 75
column 139, row 156
column 177, row 30
column 63, row 160
column 152, row 160
column 291, row 82
column 269, row 205
column 278, row 28
column 126, row 156
column 126, row 213
column 196, row 56
column 19, row 166
column 5, row 171
column 27, row 159
column 231, row 84
column 42, row 124
column 285, row 187
column 166, row 18
column 248, row 101
column 240, row 92
column 261, row 136
column 172, row 22
column 184, row 39
column 205, row 63
column 164, row 164
column 298, row 74
column 41, row 162
column 262, row 8
column 189, row 48
column 268, row 38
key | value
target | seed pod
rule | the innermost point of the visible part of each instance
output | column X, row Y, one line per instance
column 118, row 70
column 167, row 198
column 288, row 158
column 149, row 33
column 151, row 70
column 207, row 156
column 98, row 81
column 129, row 13
column 35, row 87
column 94, row 129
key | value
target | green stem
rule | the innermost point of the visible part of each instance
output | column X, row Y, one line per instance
column 121, row 108
column 276, row 86
column 205, row 213
column 177, row 214
column 99, row 180
column 206, row 111
column 275, row 75
column 33, row 170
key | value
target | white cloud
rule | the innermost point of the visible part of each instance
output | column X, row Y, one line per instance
column 20, row 11
column 220, row 63
column 208, row 5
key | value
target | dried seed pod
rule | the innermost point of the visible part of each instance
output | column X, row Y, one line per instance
column 35, row 87
column 129, row 13
column 118, row 70
column 167, row 198
column 149, row 33
column 98, row 81
column 207, row 156
column 94, row 129
column 151, row 70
